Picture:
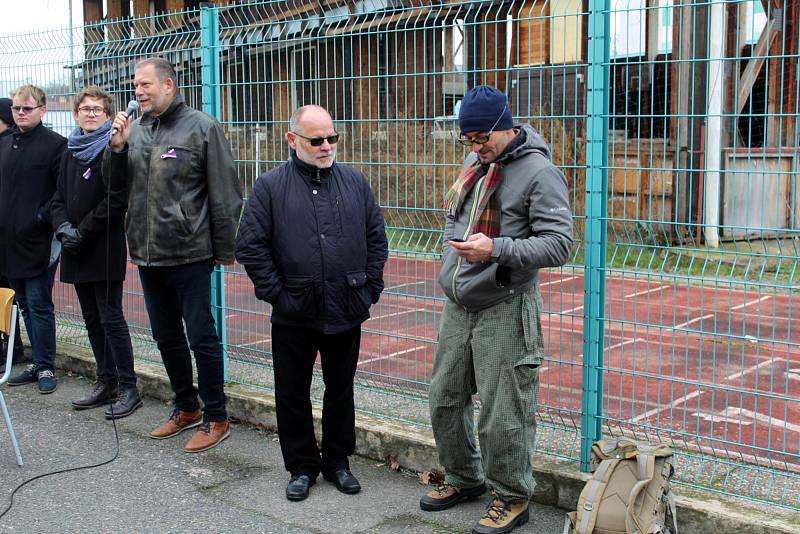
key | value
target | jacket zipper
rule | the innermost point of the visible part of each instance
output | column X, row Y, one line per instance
column 322, row 252
column 473, row 209
column 147, row 196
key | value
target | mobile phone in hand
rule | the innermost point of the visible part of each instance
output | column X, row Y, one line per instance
column 456, row 240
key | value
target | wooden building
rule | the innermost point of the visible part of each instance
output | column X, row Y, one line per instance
column 699, row 109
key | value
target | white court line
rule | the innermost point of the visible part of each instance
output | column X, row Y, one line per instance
column 384, row 316
column 697, row 392
column 751, row 369
column 710, row 315
column 560, row 280
column 392, row 288
column 731, row 412
column 745, row 304
column 637, row 294
column 391, row 355
column 673, row 404
column 687, row 323
column 259, row 342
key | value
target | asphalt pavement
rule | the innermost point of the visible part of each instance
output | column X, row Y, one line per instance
column 153, row 486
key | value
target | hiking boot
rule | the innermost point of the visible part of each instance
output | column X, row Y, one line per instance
column 446, row 496
column 28, row 376
column 178, row 422
column 101, row 394
column 209, row 435
column 128, row 401
column 502, row 517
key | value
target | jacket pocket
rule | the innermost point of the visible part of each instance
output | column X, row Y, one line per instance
column 297, row 297
column 359, row 298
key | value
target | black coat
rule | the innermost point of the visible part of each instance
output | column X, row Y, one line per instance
column 29, row 165
column 81, row 199
column 314, row 245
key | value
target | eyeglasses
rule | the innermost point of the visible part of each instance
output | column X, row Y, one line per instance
column 85, row 110
column 24, row 110
column 484, row 138
column 317, row 141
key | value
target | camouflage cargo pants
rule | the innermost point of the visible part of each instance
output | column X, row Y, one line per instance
column 496, row 353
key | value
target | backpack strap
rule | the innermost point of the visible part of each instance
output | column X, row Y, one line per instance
column 569, row 522
column 646, row 464
column 670, row 498
column 589, row 501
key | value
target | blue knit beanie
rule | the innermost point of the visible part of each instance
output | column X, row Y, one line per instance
column 484, row 107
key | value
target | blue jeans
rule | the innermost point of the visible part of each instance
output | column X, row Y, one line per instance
column 172, row 296
column 35, row 299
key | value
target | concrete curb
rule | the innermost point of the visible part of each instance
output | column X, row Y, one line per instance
column 558, row 483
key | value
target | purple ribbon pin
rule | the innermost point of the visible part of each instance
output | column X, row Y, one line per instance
column 169, row 154
column 87, row 174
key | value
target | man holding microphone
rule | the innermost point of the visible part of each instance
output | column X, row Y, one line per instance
column 184, row 200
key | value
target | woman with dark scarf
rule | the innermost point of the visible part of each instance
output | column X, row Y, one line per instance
column 89, row 223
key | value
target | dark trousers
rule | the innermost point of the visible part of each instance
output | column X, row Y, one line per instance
column 19, row 350
column 294, row 350
column 174, row 295
column 35, row 298
column 101, row 305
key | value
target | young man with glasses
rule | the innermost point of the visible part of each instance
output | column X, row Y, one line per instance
column 89, row 223
column 184, row 202
column 29, row 164
column 312, row 240
column 507, row 216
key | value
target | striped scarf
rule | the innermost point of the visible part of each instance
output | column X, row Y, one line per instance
column 488, row 212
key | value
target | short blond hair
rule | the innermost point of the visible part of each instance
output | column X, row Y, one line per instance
column 30, row 91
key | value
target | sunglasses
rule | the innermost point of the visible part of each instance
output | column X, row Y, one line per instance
column 24, row 110
column 317, row 141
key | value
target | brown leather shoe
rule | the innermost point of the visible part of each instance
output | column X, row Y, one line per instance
column 210, row 434
column 177, row 423
column 502, row 517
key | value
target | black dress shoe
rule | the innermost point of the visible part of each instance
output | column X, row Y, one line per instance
column 345, row 481
column 298, row 487
column 127, row 402
column 101, row 394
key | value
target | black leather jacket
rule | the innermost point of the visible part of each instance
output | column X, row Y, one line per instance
column 184, row 196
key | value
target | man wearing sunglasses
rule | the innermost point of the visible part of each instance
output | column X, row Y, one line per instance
column 507, row 216
column 312, row 240
column 29, row 166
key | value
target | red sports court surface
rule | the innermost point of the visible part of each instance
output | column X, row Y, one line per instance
column 718, row 365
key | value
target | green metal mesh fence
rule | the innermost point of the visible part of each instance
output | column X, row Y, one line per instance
column 675, row 122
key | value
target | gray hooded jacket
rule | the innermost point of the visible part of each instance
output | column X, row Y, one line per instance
column 535, row 229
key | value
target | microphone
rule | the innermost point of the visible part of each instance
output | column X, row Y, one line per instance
column 133, row 107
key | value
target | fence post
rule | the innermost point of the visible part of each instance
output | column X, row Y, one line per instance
column 595, row 233
column 209, row 43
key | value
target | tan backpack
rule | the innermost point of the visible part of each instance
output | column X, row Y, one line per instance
column 629, row 492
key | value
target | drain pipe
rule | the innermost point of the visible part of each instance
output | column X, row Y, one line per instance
column 713, row 138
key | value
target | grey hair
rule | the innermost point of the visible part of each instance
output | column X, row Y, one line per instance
column 164, row 69
column 294, row 121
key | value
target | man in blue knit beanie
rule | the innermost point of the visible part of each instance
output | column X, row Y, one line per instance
column 507, row 216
